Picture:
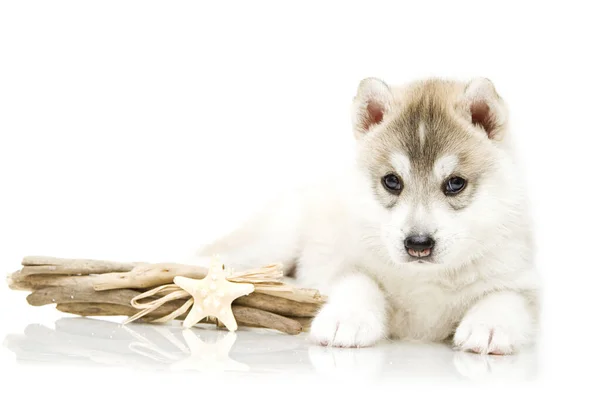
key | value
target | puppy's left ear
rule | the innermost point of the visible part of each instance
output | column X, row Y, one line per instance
column 485, row 108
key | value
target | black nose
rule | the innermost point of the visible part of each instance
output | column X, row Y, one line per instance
column 419, row 242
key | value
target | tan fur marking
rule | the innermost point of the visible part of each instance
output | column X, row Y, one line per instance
column 432, row 107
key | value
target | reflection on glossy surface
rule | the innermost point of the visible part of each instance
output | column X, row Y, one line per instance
column 209, row 357
column 97, row 342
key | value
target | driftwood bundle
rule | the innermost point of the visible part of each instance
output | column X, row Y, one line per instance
column 105, row 288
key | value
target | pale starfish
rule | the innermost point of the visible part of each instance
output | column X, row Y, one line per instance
column 213, row 296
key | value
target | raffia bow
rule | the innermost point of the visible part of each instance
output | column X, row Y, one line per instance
column 267, row 280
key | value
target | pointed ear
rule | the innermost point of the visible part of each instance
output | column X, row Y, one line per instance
column 485, row 108
column 371, row 104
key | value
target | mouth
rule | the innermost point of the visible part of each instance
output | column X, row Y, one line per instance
column 419, row 253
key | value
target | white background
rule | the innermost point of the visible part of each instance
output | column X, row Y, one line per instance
column 137, row 130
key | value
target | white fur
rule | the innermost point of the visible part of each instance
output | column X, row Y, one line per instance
column 498, row 324
column 401, row 164
column 356, row 315
column 422, row 134
column 444, row 166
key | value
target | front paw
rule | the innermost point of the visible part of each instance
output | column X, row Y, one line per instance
column 341, row 326
column 498, row 325
column 484, row 339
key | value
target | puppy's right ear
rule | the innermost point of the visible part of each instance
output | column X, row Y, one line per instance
column 372, row 102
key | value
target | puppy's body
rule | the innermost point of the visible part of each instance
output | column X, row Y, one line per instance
column 347, row 237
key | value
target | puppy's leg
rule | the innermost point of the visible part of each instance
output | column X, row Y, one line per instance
column 271, row 236
column 355, row 314
column 500, row 323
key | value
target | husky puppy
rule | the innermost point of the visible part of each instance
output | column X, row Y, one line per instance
column 426, row 237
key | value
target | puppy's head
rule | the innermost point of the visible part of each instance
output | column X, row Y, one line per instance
column 439, row 174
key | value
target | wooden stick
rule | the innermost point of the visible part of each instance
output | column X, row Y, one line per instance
column 142, row 276
column 278, row 305
column 245, row 316
column 80, row 294
column 95, row 309
column 305, row 322
column 147, row 275
column 16, row 281
column 106, row 309
column 20, row 281
column 296, row 294
column 69, row 266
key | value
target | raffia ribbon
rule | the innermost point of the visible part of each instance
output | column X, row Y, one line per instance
column 268, row 280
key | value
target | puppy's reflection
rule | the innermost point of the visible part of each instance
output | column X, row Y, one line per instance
column 414, row 361
column 522, row 366
column 89, row 341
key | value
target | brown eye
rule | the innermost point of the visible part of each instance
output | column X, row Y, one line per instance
column 392, row 183
column 454, row 185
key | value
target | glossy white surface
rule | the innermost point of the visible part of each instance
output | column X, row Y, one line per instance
column 88, row 342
